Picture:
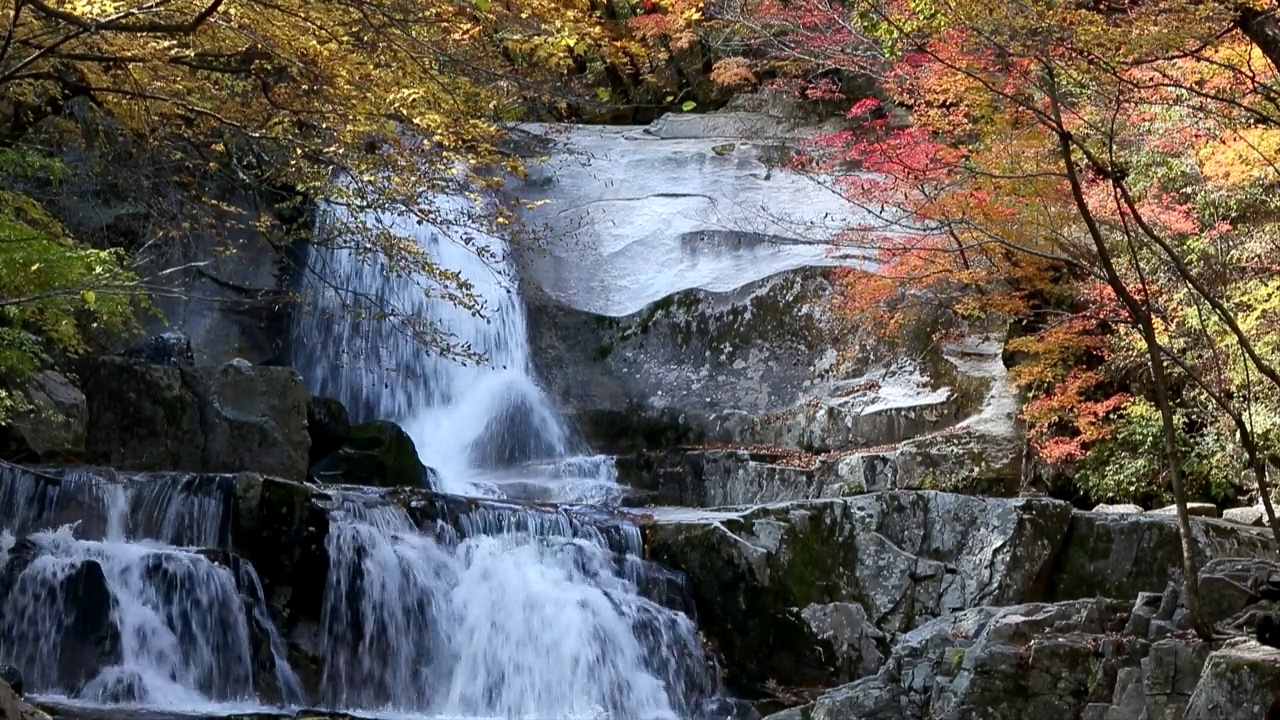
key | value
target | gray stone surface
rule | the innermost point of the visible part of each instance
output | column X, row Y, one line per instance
column 903, row 557
column 1241, row 681
column 1070, row 660
column 1254, row 515
column 1194, row 509
column 1121, row 509
column 855, row 640
column 1119, row 556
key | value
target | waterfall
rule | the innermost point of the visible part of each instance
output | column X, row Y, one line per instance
column 515, row 613
column 117, row 593
column 475, row 413
column 508, row 610
column 522, row 593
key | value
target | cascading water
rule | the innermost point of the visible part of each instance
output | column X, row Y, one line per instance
column 116, row 593
column 473, row 420
column 510, row 611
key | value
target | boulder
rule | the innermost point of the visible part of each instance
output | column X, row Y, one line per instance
column 229, row 418
column 867, row 699
column 254, row 418
column 859, row 647
column 1240, row 681
column 172, row 349
column 903, row 557
column 1194, row 509
column 1120, row 509
column 13, row 707
column 53, row 429
column 1234, row 590
column 1254, row 515
column 378, row 453
column 328, row 425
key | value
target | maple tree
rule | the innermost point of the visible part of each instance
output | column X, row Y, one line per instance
column 1101, row 173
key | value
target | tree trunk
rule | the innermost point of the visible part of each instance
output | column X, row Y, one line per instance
column 1190, row 566
column 1262, row 29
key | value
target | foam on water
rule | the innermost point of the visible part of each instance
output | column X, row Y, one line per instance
column 122, row 590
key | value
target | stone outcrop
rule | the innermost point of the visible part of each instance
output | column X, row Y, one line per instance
column 1241, row 681
column 1089, row 659
column 1074, row 660
column 902, row 556
column 1119, row 556
column 53, row 428
column 669, row 306
column 225, row 418
column 761, row 575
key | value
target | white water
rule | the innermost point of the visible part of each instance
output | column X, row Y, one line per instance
column 525, row 616
column 506, row 611
column 104, row 609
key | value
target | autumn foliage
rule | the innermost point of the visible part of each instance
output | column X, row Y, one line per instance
column 1103, row 177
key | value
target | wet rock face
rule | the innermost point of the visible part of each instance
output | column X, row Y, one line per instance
column 692, row 366
column 172, row 349
column 328, row 425
column 83, row 636
column 226, row 418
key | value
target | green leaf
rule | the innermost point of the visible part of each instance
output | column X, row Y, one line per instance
column 89, row 297
column 688, row 105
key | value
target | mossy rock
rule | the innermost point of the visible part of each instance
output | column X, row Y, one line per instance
column 378, row 454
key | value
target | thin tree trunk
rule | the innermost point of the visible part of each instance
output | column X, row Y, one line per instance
column 1141, row 317
column 1190, row 566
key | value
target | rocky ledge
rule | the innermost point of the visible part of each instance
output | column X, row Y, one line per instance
column 949, row 606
